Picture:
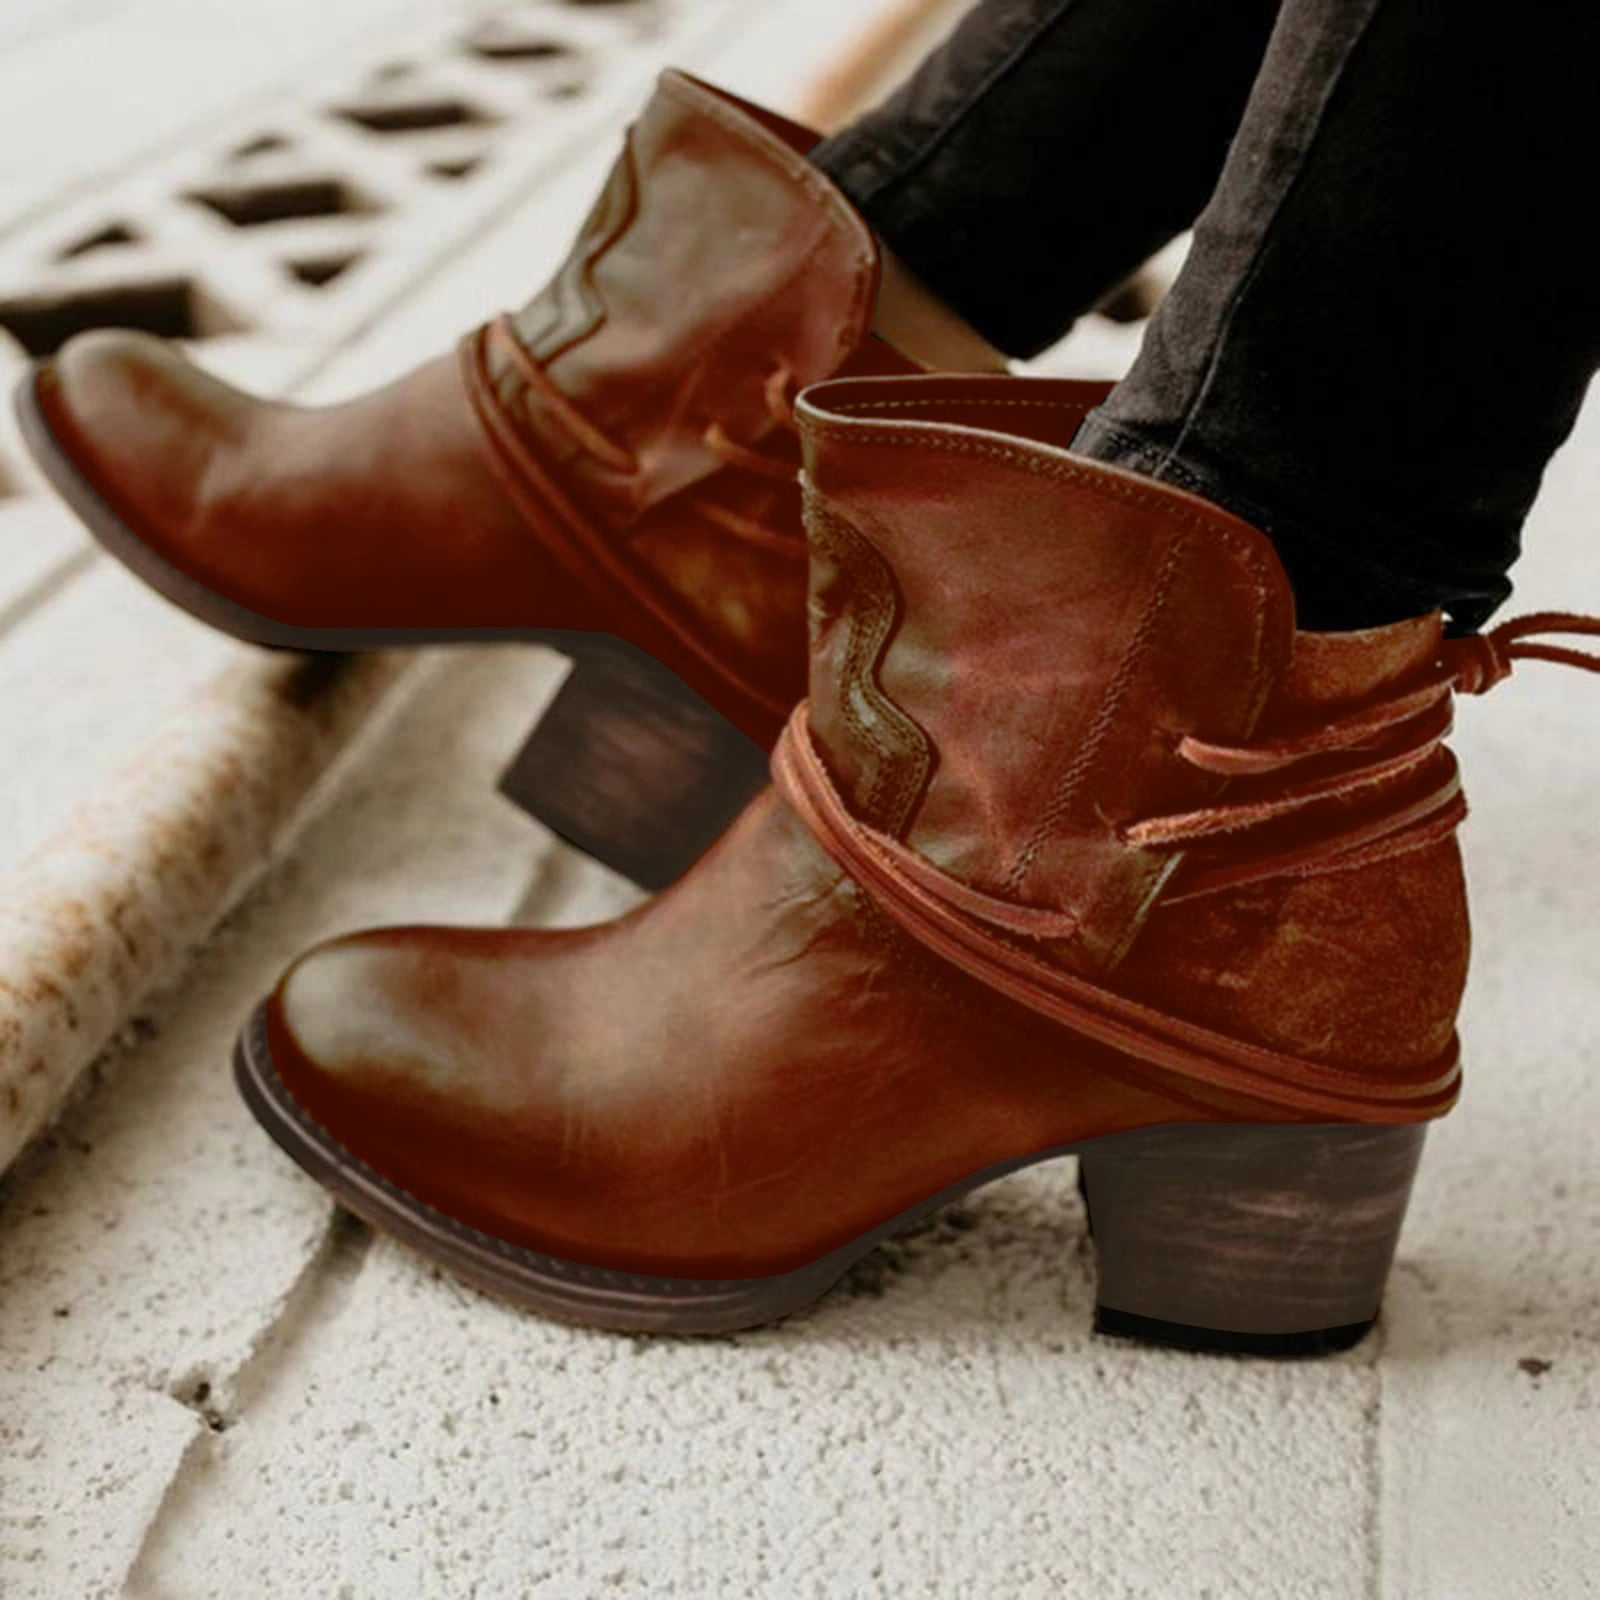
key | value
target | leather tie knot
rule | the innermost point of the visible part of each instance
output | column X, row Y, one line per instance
column 1478, row 662
column 1481, row 661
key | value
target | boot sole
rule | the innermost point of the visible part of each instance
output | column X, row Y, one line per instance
column 629, row 765
column 1259, row 1239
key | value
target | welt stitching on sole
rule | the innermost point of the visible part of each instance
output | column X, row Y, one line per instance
column 372, row 194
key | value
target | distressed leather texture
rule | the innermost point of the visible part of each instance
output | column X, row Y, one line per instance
column 557, row 470
column 1009, row 648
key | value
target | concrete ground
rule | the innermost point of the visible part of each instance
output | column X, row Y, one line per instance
column 213, row 1383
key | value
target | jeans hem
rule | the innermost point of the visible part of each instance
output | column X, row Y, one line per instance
column 1362, row 592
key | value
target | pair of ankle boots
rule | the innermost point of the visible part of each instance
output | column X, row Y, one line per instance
column 1074, row 845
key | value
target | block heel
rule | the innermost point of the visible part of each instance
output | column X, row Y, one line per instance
column 1258, row 1238
column 632, row 767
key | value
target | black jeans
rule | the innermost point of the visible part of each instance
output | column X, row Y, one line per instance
column 1387, row 322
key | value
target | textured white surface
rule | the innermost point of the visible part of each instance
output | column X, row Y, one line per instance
column 153, row 1243
column 210, row 1386
column 92, row 86
column 1491, row 1458
column 144, row 869
column 84, row 1466
column 941, row 1426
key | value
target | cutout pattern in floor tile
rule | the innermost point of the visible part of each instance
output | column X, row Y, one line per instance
column 294, row 223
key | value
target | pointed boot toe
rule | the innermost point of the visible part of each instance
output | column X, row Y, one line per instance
column 445, row 1084
column 126, row 428
column 116, row 398
column 375, row 1043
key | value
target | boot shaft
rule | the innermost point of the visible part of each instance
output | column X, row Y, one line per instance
column 1016, row 654
column 716, row 266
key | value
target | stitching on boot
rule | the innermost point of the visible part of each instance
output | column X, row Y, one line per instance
column 1061, row 468
column 1057, row 466
column 959, row 403
column 1088, row 753
column 902, row 754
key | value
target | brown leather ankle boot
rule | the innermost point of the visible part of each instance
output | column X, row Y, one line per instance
column 611, row 470
column 1078, row 846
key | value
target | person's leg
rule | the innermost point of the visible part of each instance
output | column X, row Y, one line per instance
column 1047, row 148
column 1383, row 331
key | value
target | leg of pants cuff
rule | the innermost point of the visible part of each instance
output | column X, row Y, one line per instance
column 1048, row 147
column 1385, row 326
